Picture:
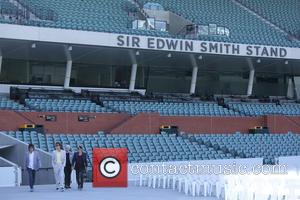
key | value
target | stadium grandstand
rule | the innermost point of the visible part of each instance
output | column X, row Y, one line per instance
column 203, row 82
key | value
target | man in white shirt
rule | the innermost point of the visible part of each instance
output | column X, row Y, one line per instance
column 59, row 163
column 32, row 164
column 31, row 159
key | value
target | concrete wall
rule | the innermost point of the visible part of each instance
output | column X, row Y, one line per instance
column 16, row 154
column 66, row 122
column 150, row 123
column 283, row 124
column 213, row 124
column 141, row 123
column 147, row 123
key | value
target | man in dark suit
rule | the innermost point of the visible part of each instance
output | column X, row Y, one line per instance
column 80, row 165
column 68, row 167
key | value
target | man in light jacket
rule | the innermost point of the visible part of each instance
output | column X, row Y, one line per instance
column 32, row 164
column 59, row 163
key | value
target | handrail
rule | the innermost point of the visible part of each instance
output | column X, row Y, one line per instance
column 9, row 162
column 41, row 150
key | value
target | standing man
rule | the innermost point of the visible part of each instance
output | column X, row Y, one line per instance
column 80, row 165
column 68, row 167
column 59, row 163
column 32, row 164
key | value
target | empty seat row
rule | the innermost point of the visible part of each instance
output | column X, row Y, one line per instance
column 7, row 104
column 163, row 147
column 113, row 17
column 141, row 147
column 284, row 14
column 267, row 146
column 257, row 109
column 170, row 108
column 93, row 15
column 244, row 26
column 64, row 105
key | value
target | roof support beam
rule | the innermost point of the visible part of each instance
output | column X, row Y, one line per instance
column 1, row 58
column 251, row 77
column 134, row 66
column 194, row 74
column 68, row 66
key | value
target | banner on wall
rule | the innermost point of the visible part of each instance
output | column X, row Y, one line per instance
column 64, row 36
column 205, row 47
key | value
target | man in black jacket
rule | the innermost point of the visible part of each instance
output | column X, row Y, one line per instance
column 80, row 165
column 68, row 167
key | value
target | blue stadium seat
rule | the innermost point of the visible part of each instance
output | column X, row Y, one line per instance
column 64, row 105
column 257, row 109
column 154, row 148
column 170, row 108
column 112, row 17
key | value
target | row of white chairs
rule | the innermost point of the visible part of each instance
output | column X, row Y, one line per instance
column 233, row 187
column 262, row 187
column 206, row 186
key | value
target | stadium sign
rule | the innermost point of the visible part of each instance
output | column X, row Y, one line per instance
column 64, row 36
column 200, row 46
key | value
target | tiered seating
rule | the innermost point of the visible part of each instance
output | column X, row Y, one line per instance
column 158, row 148
column 92, row 15
column 256, row 109
column 7, row 8
column 64, row 105
column 290, row 109
column 170, row 108
column 285, row 14
column 142, row 147
column 107, row 96
column 38, row 139
column 112, row 16
column 244, row 27
column 7, row 104
column 163, row 147
column 250, row 146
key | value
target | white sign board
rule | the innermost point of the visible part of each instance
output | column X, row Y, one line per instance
column 18, row 32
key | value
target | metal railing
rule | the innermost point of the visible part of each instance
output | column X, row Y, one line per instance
column 17, row 171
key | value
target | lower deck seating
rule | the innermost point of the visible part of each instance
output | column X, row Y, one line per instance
column 164, row 147
column 268, row 146
column 141, row 147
